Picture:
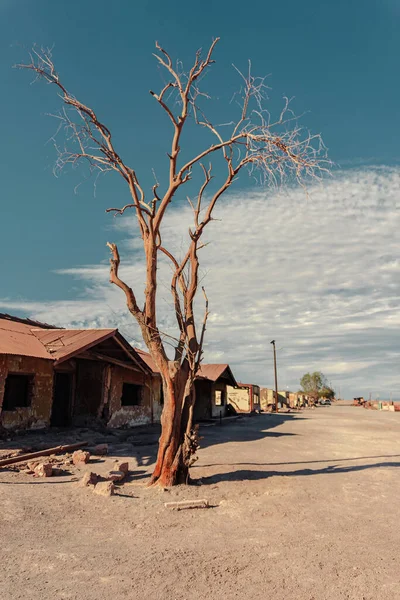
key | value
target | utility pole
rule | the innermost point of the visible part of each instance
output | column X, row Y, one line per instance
column 276, row 378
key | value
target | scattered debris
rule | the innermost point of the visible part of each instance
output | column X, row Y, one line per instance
column 44, row 470
column 122, row 466
column 47, row 452
column 89, row 478
column 186, row 504
column 116, row 475
column 80, row 456
column 32, row 464
column 104, row 488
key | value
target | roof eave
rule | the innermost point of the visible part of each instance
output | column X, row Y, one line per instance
column 106, row 336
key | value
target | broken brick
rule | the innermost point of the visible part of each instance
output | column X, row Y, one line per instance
column 122, row 466
column 32, row 465
column 80, row 456
column 116, row 475
column 104, row 488
column 89, row 479
column 44, row 470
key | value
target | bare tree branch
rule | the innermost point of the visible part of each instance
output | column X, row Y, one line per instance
column 114, row 278
column 254, row 142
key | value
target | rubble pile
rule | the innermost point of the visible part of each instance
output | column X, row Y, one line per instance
column 44, row 464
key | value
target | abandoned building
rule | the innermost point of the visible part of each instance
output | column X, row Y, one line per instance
column 211, row 387
column 286, row 399
column 267, row 399
column 59, row 377
column 244, row 398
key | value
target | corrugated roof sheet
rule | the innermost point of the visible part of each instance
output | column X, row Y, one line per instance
column 211, row 372
column 214, row 372
column 17, row 338
column 28, row 338
column 61, row 344
column 146, row 357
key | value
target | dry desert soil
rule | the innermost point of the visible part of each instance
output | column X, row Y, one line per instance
column 304, row 506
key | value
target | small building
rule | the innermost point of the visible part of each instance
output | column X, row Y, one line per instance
column 60, row 377
column 267, row 399
column 267, row 396
column 211, row 385
column 244, row 398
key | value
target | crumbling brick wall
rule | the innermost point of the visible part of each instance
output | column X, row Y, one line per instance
column 129, row 415
column 38, row 414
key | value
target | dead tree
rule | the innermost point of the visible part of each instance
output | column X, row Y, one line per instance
column 272, row 149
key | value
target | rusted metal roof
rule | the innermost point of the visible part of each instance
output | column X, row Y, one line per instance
column 30, row 322
column 24, row 337
column 210, row 372
column 62, row 344
column 17, row 338
column 215, row 371
column 146, row 357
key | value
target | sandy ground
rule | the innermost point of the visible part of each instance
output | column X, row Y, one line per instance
column 304, row 507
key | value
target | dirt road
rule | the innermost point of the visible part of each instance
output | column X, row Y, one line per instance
column 306, row 507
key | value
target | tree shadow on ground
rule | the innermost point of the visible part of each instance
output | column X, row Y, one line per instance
column 301, row 462
column 141, row 443
column 250, row 475
column 244, row 429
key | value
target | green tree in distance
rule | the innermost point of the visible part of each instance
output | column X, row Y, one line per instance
column 316, row 386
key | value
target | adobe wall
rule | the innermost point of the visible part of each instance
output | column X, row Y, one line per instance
column 38, row 414
column 129, row 416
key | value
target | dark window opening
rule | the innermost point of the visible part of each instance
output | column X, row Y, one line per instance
column 18, row 391
column 131, row 394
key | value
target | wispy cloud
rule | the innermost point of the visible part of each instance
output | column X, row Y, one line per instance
column 320, row 274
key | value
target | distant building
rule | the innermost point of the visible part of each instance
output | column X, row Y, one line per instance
column 268, row 399
column 244, row 398
column 211, row 385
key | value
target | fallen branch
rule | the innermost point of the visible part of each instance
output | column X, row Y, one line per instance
column 56, row 450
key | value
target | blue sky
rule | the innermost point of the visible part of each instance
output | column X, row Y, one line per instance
column 340, row 61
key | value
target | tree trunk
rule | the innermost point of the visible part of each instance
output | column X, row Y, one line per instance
column 178, row 442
